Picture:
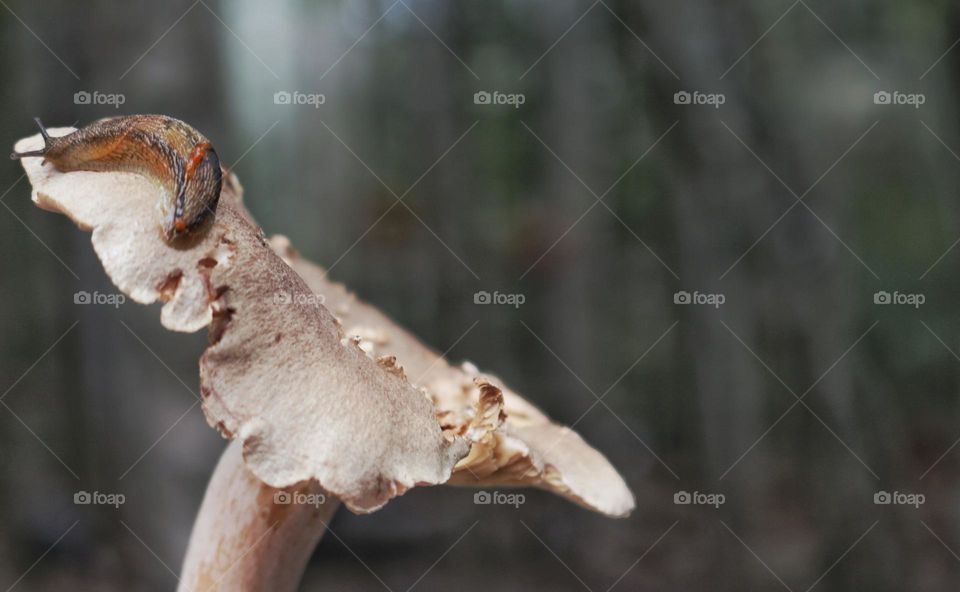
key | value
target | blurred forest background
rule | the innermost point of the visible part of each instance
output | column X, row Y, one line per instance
column 551, row 200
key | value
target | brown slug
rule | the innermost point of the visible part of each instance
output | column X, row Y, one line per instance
column 163, row 148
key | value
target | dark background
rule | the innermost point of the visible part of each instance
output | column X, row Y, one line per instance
column 711, row 207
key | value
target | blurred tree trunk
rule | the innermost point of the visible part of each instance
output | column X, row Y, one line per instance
column 567, row 270
column 726, row 200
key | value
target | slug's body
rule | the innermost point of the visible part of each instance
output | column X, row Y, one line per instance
column 162, row 148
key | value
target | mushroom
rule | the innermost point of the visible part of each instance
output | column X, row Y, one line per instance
column 325, row 399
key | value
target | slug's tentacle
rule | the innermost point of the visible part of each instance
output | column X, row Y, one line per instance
column 163, row 148
column 46, row 143
column 43, row 131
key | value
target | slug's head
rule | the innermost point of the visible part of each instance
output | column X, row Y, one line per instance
column 47, row 141
column 198, row 193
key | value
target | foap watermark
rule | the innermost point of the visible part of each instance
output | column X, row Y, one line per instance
column 299, row 498
column 98, row 498
column 710, row 299
column 884, row 97
column 484, row 297
column 914, row 300
column 483, row 97
column 108, row 299
column 683, row 97
column 308, row 299
column 96, row 97
column 499, row 498
column 699, row 498
column 285, row 97
column 899, row 498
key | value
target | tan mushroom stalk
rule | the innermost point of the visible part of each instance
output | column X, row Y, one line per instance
column 323, row 395
column 249, row 536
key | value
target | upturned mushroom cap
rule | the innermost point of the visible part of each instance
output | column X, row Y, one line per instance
column 347, row 399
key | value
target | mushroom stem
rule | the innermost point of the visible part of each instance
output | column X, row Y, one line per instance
column 250, row 537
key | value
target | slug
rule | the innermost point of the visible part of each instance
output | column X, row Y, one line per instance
column 162, row 148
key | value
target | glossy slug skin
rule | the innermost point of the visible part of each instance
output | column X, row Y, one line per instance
column 163, row 148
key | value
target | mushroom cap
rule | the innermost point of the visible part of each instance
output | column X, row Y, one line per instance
column 318, row 385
